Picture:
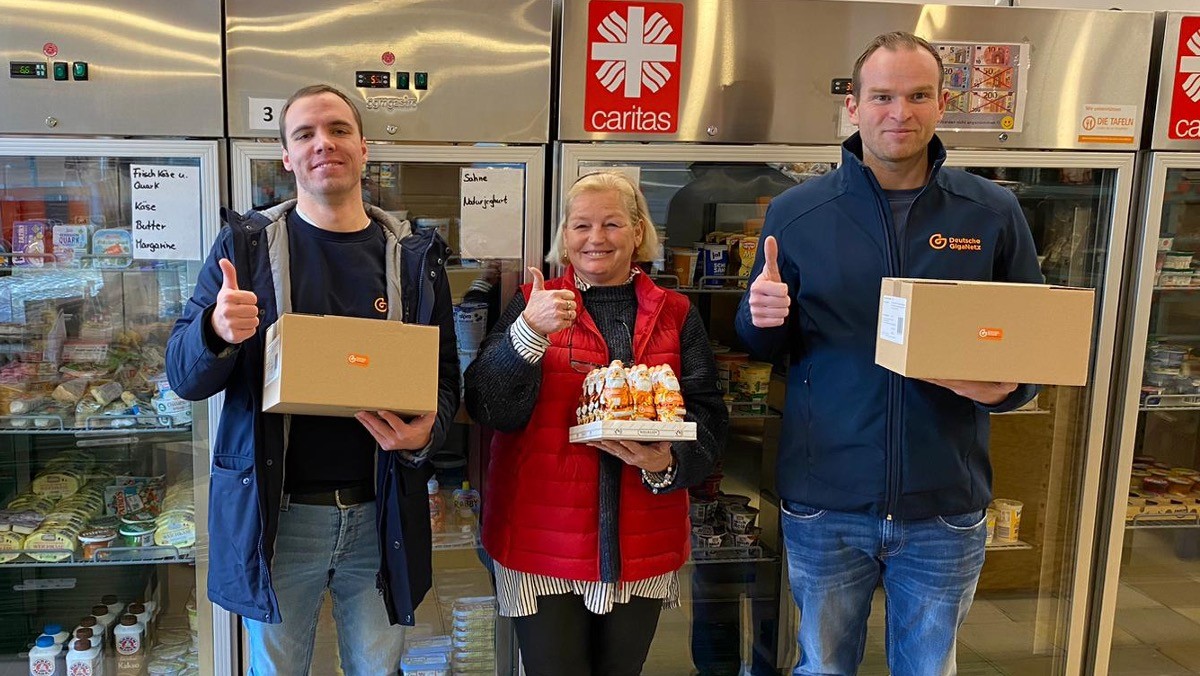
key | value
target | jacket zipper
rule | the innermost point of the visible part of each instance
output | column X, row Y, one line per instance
column 420, row 277
column 895, row 262
column 891, row 440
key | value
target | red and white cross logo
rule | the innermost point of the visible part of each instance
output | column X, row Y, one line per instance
column 634, row 52
column 1184, row 122
column 633, row 66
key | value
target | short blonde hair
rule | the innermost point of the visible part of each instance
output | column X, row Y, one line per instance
column 635, row 207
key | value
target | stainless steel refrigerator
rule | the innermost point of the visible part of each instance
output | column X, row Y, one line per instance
column 110, row 183
column 455, row 101
column 1147, row 617
column 715, row 107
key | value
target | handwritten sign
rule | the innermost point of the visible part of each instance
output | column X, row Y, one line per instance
column 492, row 215
column 166, row 212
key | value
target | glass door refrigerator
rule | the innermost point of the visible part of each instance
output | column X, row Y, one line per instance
column 455, row 101
column 1148, row 607
column 110, row 184
column 719, row 123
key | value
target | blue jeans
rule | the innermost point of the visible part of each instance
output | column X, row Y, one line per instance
column 929, row 570
column 321, row 548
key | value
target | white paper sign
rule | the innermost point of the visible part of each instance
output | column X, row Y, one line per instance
column 492, row 214
column 264, row 113
column 1107, row 123
column 892, row 315
column 166, row 212
column 632, row 172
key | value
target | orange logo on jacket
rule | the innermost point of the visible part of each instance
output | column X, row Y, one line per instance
column 991, row 334
column 381, row 305
column 358, row 359
column 937, row 242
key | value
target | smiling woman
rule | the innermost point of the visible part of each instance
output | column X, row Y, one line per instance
column 588, row 539
column 606, row 229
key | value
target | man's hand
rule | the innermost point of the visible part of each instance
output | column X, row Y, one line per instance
column 393, row 434
column 235, row 317
column 769, row 297
column 654, row 457
column 986, row 393
column 548, row 311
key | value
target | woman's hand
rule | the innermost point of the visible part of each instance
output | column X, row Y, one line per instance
column 548, row 311
column 654, row 457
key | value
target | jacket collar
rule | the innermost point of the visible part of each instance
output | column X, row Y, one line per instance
column 393, row 226
column 858, row 176
column 650, row 299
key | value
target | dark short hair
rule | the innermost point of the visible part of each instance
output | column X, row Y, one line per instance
column 893, row 41
column 315, row 90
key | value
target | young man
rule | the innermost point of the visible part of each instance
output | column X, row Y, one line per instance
column 881, row 477
column 304, row 504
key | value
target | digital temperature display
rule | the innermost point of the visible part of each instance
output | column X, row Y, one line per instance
column 373, row 79
column 27, row 70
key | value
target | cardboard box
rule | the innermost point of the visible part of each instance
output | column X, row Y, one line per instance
column 649, row 431
column 991, row 331
column 337, row 366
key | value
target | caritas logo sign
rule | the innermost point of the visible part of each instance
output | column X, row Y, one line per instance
column 633, row 67
column 1185, row 95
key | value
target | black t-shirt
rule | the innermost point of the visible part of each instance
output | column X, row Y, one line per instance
column 333, row 273
column 901, row 202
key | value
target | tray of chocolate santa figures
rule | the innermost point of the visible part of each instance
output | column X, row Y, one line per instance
column 641, row 403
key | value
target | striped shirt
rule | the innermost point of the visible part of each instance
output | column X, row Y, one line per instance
column 517, row 592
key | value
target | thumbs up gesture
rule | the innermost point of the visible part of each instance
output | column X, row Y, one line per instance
column 769, row 297
column 548, row 311
column 236, row 315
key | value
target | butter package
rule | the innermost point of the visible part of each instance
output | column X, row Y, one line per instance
column 985, row 331
column 337, row 366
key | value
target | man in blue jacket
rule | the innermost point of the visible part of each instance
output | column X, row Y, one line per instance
column 304, row 504
column 881, row 477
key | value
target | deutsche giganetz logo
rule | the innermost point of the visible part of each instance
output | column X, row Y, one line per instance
column 937, row 241
column 381, row 304
column 633, row 52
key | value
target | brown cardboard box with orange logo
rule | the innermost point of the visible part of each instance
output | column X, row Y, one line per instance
column 992, row 331
column 337, row 366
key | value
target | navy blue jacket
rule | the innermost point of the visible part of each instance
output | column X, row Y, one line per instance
column 857, row 437
column 246, row 483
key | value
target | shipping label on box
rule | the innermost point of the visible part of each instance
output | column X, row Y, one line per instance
column 648, row 431
column 337, row 366
column 985, row 331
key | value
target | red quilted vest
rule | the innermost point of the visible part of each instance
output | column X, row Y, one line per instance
column 542, row 511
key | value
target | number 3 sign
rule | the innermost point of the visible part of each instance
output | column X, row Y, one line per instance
column 264, row 113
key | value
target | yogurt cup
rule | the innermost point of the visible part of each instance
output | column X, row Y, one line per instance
column 1008, row 519
column 992, row 515
column 702, row 510
column 741, row 519
column 133, row 535
column 95, row 539
column 747, row 539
